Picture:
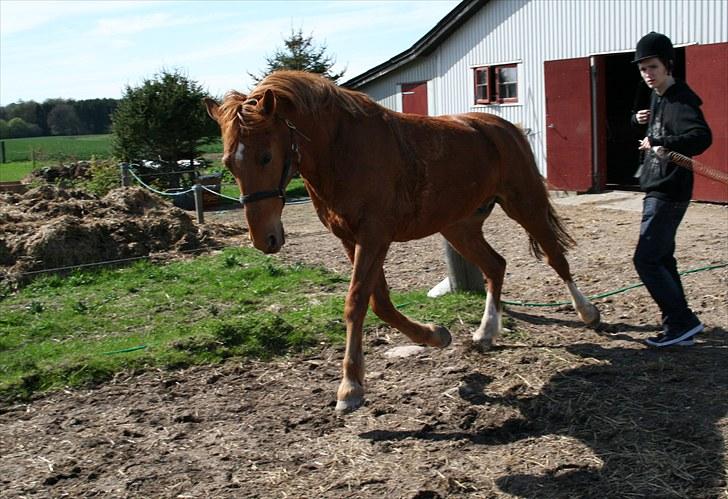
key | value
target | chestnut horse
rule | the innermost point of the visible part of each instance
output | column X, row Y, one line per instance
column 376, row 176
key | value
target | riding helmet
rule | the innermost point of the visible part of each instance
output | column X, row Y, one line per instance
column 654, row 45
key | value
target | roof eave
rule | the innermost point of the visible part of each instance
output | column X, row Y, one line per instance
column 424, row 46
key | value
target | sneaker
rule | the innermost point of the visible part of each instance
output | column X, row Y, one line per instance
column 684, row 338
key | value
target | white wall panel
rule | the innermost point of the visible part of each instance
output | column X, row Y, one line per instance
column 539, row 30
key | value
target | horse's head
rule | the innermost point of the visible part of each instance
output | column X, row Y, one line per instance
column 260, row 150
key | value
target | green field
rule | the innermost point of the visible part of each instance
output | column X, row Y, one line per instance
column 57, row 148
column 22, row 155
column 12, row 172
column 72, row 147
column 84, row 328
column 86, row 146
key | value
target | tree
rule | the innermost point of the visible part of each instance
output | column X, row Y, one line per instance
column 18, row 127
column 301, row 54
column 63, row 120
column 164, row 118
column 95, row 114
column 29, row 111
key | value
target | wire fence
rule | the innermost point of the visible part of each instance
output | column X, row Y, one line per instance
column 202, row 184
column 130, row 173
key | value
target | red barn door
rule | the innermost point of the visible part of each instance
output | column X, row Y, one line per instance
column 569, row 150
column 706, row 71
column 414, row 98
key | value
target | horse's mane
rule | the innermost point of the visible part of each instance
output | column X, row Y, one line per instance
column 307, row 93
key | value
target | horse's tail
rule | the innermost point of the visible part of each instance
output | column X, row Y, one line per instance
column 563, row 238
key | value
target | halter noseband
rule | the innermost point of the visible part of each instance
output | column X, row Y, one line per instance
column 287, row 164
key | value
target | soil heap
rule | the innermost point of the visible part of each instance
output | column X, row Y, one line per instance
column 51, row 227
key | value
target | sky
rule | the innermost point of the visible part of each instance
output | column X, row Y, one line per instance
column 95, row 49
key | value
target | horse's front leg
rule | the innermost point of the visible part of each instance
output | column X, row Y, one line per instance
column 368, row 261
column 381, row 304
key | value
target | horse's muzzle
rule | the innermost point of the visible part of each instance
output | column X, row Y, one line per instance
column 274, row 244
column 271, row 243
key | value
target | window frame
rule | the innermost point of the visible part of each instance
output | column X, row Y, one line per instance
column 492, row 72
column 488, row 86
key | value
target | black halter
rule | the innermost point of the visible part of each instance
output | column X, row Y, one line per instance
column 285, row 174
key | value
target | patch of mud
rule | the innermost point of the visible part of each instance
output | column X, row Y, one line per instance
column 50, row 227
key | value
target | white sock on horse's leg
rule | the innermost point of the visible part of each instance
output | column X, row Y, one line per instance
column 586, row 310
column 490, row 325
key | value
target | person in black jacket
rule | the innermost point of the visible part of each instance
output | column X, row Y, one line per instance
column 674, row 122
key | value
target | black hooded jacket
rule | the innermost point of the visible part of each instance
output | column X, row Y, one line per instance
column 676, row 123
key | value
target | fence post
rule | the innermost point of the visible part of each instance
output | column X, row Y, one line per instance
column 199, row 205
column 464, row 276
column 125, row 175
column 2, row 151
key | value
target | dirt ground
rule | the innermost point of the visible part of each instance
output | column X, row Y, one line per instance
column 556, row 410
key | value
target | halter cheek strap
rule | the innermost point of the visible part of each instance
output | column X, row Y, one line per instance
column 278, row 193
column 285, row 174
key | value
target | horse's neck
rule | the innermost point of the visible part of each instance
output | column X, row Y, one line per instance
column 315, row 143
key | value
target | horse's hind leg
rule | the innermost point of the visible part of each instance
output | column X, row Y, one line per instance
column 466, row 237
column 381, row 303
column 543, row 226
column 423, row 334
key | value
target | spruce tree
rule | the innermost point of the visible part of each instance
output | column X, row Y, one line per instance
column 300, row 53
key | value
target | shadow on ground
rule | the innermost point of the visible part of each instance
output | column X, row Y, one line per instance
column 650, row 417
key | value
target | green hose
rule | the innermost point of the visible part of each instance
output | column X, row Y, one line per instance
column 608, row 293
column 125, row 350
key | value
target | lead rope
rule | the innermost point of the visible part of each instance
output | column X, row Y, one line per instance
column 696, row 166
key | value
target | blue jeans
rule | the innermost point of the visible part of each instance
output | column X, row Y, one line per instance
column 655, row 262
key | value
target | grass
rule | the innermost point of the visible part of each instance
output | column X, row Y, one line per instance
column 58, row 147
column 70, row 147
column 84, row 328
column 84, row 146
column 50, row 150
column 12, row 172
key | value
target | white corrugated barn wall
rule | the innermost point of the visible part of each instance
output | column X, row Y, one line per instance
column 531, row 32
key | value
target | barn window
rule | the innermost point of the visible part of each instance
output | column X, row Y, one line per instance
column 496, row 84
column 482, row 88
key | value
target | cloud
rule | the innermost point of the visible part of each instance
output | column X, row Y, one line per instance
column 17, row 16
column 137, row 24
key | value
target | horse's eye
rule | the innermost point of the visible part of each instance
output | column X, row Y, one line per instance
column 265, row 158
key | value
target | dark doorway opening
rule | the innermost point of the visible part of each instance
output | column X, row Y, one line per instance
column 625, row 93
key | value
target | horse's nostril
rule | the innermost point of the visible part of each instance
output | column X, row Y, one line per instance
column 272, row 241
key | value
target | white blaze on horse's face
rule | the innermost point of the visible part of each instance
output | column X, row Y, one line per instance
column 256, row 174
column 239, row 152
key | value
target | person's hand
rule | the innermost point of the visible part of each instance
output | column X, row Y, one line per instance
column 643, row 116
column 644, row 144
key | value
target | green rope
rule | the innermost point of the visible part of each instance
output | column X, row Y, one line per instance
column 608, row 293
column 125, row 350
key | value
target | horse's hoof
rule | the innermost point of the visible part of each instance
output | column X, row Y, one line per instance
column 592, row 318
column 349, row 405
column 443, row 335
column 482, row 342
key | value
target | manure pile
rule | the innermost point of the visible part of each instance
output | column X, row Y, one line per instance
column 50, row 227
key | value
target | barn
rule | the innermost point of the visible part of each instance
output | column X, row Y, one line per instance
column 562, row 70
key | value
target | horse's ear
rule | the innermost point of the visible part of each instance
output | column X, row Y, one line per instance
column 213, row 109
column 269, row 102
